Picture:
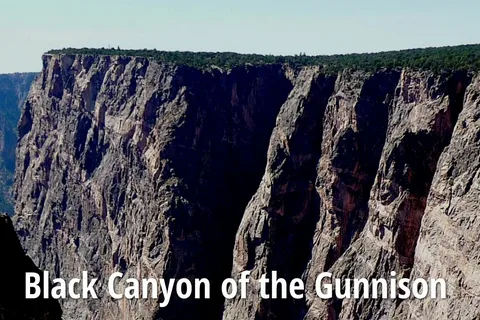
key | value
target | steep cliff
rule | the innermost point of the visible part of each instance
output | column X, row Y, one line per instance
column 161, row 170
column 14, row 265
column 448, row 242
column 422, row 115
column 144, row 168
column 13, row 91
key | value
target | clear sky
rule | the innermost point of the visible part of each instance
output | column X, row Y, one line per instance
column 28, row 28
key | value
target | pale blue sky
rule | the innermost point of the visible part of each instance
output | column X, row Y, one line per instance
column 30, row 27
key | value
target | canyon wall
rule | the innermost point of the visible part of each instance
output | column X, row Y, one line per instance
column 160, row 170
column 132, row 166
column 13, row 91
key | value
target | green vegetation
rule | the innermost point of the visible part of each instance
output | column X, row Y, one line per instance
column 464, row 57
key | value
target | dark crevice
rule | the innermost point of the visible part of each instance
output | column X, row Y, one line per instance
column 413, row 162
column 294, row 205
column 215, row 161
column 250, row 128
column 83, row 123
column 26, row 121
column 357, row 158
column 222, row 143
column 424, row 151
column 356, row 161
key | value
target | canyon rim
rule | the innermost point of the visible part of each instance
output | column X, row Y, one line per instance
column 155, row 169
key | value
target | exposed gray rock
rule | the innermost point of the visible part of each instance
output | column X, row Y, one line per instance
column 421, row 118
column 133, row 166
column 277, row 225
column 448, row 246
column 158, row 170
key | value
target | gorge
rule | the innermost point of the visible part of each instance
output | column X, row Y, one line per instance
column 13, row 91
column 159, row 170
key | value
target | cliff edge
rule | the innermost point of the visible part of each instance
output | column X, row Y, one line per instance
column 162, row 170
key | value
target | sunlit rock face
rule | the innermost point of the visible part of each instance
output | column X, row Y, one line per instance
column 166, row 171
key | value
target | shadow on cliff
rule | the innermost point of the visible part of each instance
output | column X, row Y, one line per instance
column 14, row 265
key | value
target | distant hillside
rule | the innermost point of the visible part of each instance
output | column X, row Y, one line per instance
column 464, row 57
column 13, row 91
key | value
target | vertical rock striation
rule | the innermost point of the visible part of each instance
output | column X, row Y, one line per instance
column 144, row 168
column 165, row 171
column 422, row 116
column 277, row 225
column 448, row 242
column 383, row 134
column 344, row 144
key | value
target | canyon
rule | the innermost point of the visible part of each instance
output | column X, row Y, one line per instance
column 13, row 91
column 161, row 170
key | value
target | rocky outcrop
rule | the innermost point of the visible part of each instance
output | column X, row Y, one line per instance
column 165, row 171
column 283, row 207
column 448, row 242
column 13, row 266
column 328, row 168
column 382, row 137
column 143, row 168
column 13, row 91
column 422, row 116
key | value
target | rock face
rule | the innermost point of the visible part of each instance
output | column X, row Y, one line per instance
column 164, row 171
column 422, row 116
column 13, row 91
column 448, row 242
column 14, row 265
column 283, row 207
column 141, row 168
